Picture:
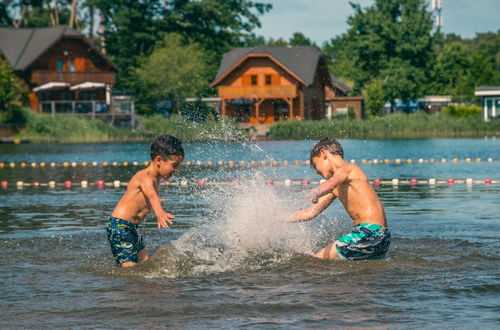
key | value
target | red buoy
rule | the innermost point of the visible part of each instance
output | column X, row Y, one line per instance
column 100, row 183
column 5, row 184
column 488, row 181
column 376, row 182
column 270, row 181
column 67, row 184
column 413, row 181
column 305, row 182
column 451, row 181
column 201, row 182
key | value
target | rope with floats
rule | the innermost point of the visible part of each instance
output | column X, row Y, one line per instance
column 201, row 182
column 243, row 163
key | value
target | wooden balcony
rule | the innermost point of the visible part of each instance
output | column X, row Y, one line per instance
column 257, row 91
column 44, row 76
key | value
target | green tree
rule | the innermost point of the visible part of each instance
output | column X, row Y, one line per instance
column 451, row 69
column 10, row 91
column 374, row 97
column 299, row 39
column 132, row 28
column 390, row 40
column 175, row 70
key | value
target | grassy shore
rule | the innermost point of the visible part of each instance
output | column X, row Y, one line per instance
column 71, row 129
column 411, row 126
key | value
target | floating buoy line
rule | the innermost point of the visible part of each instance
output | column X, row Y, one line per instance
column 243, row 163
column 201, row 182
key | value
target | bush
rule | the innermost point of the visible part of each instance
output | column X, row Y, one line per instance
column 222, row 130
column 69, row 128
column 196, row 111
column 400, row 125
column 462, row 111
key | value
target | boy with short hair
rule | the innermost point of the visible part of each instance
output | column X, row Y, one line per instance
column 371, row 237
column 140, row 197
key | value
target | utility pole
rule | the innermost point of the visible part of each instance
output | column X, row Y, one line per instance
column 437, row 8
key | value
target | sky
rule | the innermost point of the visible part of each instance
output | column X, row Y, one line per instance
column 321, row 20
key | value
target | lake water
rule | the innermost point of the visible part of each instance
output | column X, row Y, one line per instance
column 231, row 261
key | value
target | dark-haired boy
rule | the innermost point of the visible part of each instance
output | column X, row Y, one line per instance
column 140, row 197
column 371, row 237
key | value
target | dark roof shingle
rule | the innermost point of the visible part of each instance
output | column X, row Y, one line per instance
column 21, row 47
column 301, row 60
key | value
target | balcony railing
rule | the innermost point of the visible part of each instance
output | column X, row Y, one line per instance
column 93, row 109
column 45, row 76
column 257, row 91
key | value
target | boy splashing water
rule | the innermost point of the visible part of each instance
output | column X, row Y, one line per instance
column 371, row 237
column 141, row 196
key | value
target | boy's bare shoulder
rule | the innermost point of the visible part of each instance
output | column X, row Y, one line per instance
column 354, row 171
column 141, row 176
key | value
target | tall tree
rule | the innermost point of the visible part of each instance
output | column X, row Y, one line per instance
column 391, row 40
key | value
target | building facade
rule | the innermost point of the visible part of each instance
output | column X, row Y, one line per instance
column 490, row 101
column 64, row 72
column 264, row 85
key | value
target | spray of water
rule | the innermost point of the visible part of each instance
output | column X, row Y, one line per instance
column 249, row 229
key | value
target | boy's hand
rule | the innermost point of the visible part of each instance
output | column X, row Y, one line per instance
column 164, row 219
column 315, row 195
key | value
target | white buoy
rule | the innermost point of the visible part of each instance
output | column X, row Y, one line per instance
column 288, row 182
column 52, row 184
column 84, row 184
column 432, row 181
column 116, row 183
column 395, row 182
column 468, row 181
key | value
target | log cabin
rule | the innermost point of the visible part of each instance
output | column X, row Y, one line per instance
column 263, row 85
column 64, row 72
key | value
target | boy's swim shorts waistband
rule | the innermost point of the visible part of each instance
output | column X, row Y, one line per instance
column 117, row 221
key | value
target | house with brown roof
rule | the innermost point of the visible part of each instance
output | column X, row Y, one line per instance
column 262, row 85
column 64, row 72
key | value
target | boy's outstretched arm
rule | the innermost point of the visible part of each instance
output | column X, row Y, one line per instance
column 163, row 218
column 329, row 185
column 313, row 211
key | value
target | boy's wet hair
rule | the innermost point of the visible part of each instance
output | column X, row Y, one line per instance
column 329, row 144
column 166, row 146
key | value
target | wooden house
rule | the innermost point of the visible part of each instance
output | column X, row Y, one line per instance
column 64, row 72
column 490, row 101
column 338, row 102
column 262, row 85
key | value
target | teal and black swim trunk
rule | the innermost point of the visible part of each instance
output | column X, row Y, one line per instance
column 124, row 240
column 366, row 241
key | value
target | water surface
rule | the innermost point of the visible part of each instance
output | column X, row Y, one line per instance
column 230, row 260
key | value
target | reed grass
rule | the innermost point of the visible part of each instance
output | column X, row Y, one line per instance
column 66, row 128
column 416, row 125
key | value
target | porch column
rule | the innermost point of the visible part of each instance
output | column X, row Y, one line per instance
column 223, row 108
column 301, row 110
column 53, row 108
column 257, row 108
column 290, row 106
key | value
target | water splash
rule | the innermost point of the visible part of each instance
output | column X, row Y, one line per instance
column 249, row 229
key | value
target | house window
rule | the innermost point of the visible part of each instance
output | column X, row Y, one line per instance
column 71, row 65
column 268, row 79
column 254, row 80
column 60, row 65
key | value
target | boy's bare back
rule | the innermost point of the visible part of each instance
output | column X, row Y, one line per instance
column 358, row 196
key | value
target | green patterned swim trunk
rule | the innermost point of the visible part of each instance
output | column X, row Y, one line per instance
column 366, row 241
column 124, row 240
